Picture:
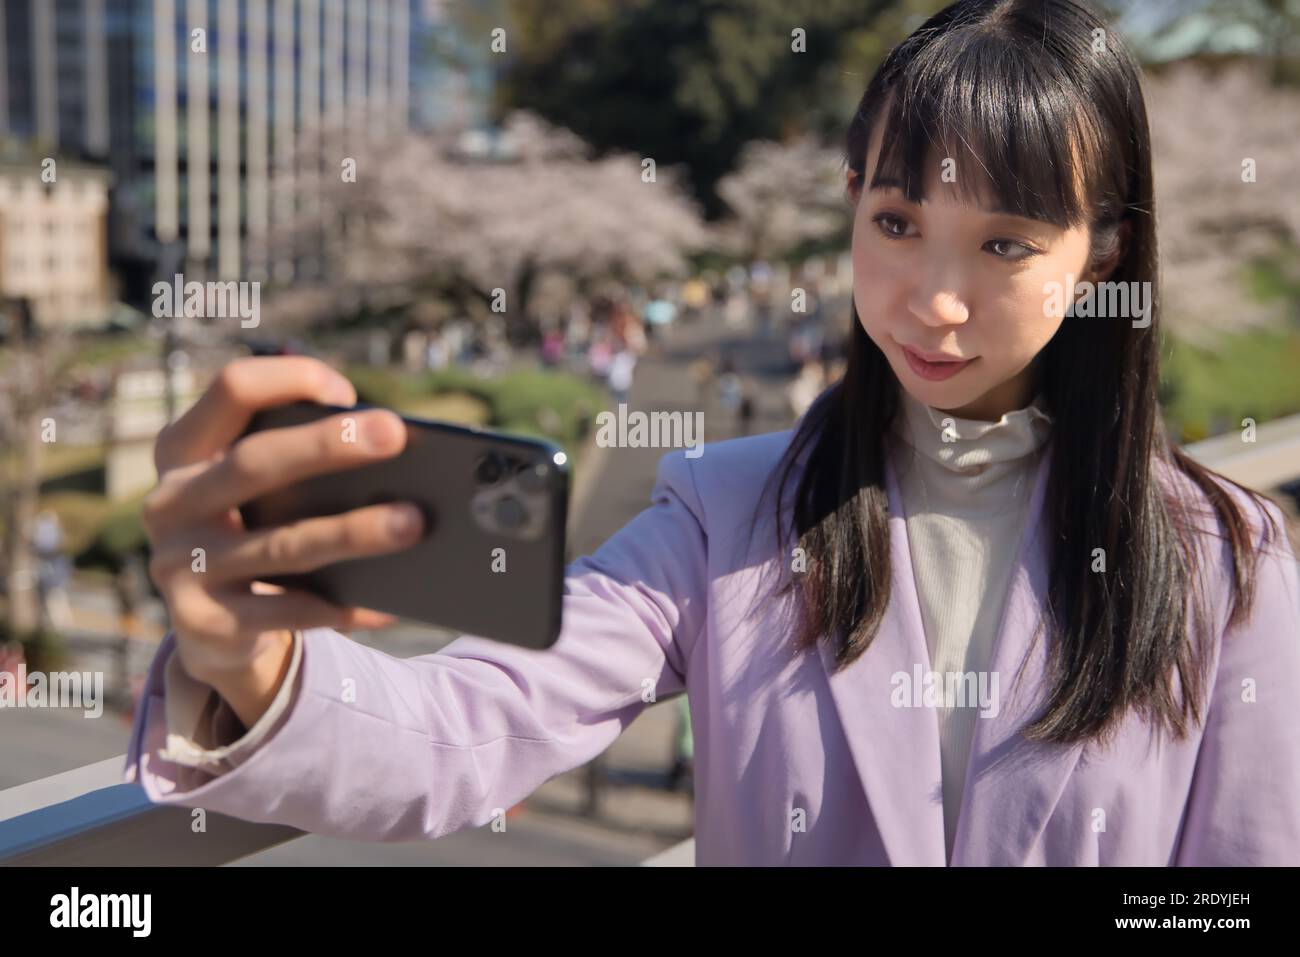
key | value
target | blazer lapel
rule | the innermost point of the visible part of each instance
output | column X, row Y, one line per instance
column 896, row 749
column 1012, row 785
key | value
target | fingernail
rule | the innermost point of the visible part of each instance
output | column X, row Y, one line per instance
column 403, row 520
column 379, row 433
column 340, row 392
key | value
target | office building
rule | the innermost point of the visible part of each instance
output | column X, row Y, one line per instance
column 197, row 107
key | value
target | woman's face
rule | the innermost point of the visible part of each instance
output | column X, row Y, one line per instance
column 941, row 281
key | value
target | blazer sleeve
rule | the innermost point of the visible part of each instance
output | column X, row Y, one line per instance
column 201, row 729
column 1244, row 805
column 379, row 748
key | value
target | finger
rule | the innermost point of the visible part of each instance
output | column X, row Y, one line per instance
column 265, row 461
column 240, row 389
column 299, row 610
column 357, row 618
column 316, row 542
column 156, row 507
column 228, row 620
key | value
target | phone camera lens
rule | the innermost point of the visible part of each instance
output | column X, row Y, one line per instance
column 532, row 477
column 510, row 512
column 490, row 469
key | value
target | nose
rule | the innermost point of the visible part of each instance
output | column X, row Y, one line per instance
column 939, row 301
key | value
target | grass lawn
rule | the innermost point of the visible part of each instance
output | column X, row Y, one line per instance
column 1247, row 375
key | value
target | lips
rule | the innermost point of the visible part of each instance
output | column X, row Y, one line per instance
column 934, row 366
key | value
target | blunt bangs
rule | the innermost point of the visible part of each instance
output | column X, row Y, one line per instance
column 1017, row 141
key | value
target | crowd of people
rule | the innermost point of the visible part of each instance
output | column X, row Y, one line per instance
column 605, row 337
column 606, row 334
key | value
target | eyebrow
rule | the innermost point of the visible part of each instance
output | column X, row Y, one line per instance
column 889, row 182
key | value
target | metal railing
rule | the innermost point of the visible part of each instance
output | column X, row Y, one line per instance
column 87, row 817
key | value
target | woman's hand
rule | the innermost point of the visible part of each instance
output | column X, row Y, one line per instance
column 230, row 634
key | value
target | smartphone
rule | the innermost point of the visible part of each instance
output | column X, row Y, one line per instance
column 491, row 561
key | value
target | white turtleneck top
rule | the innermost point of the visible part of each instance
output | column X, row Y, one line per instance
column 965, row 487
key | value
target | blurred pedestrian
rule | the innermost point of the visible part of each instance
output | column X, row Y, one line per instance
column 745, row 413
column 660, row 313
column 601, row 352
column 11, row 657
column 695, row 297
column 552, row 347
column 436, row 353
column 628, row 329
column 620, row 374
column 806, row 386
column 577, row 332
column 702, row 372
column 730, row 393
column 53, row 570
column 736, row 311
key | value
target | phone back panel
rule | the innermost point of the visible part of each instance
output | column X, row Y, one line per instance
column 491, row 562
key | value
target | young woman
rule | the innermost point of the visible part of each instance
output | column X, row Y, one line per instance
column 974, row 609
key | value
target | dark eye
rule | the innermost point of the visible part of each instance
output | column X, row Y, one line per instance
column 1011, row 255
column 890, row 226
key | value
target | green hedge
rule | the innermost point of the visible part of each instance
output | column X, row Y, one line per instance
column 551, row 405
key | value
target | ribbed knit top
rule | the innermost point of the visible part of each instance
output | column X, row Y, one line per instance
column 965, row 486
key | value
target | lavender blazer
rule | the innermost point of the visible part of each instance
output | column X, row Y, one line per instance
column 794, row 764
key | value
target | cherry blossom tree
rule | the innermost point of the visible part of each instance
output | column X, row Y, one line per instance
column 780, row 195
column 1226, row 173
column 419, row 213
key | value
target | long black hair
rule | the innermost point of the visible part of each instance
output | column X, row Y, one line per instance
column 1044, row 100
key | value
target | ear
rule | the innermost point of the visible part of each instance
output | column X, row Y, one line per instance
column 1101, row 271
column 852, row 186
